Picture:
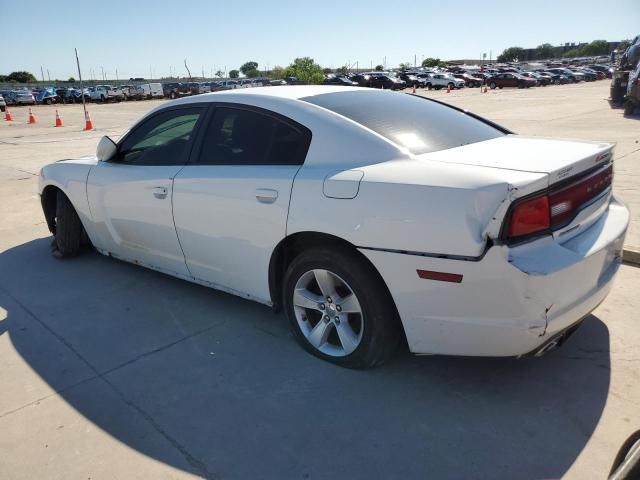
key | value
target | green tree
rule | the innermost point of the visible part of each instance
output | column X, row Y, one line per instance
column 306, row 70
column 432, row 62
column 512, row 54
column 327, row 70
column 405, row 66
column 219, row 74
column 234, row 74
column 343, row 69
column 250, row 69
column 3, row 78
column 71, row 79
column 21, row 77
column 379, row 68
column 597, row 47
column 544, row 51
column 276, row 73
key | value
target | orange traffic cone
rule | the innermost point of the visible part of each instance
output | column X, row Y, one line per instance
column 88, row 122
column 414, row 88
column 7, row 115
column 32, row 117
column 449, row 88
column 485, row 89
column 58, row 120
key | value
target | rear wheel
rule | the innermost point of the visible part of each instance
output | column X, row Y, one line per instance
column 629, row 108
column 339, row 308
column 68, row 228
column 492, row 85
column 429, row 86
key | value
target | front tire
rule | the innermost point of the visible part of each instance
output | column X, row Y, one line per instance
column 339, row 308
column 69, row 230
column 492, row 85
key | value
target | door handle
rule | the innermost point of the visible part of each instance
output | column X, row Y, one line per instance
column 266, row 195
column 159, row 192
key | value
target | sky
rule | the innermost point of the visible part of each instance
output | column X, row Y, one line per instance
column 139, row 38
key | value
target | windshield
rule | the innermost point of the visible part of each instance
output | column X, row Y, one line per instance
column 415, row 123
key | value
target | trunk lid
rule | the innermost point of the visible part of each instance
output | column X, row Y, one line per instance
column 559, row 159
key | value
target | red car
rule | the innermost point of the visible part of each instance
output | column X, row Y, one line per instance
column 510, row 80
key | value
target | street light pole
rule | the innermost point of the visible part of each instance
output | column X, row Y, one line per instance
column 84, row 105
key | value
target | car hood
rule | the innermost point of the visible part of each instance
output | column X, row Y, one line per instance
column 557, row 158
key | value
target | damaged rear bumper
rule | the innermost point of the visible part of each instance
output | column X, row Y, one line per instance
column 513, row 301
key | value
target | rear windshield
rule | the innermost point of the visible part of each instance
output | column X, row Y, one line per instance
column 413, row 122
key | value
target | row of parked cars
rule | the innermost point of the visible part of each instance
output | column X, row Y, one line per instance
column 455, row 78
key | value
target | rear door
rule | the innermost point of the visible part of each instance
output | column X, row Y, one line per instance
column 230, row 205
column 130, row 195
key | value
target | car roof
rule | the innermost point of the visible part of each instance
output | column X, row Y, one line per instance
column 292, row 92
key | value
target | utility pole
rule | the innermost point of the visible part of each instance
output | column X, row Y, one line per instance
column 48, row 76
column 415, row 60
column 103, row 77
column 42, row 73
column 116, row 75
column 84, row 105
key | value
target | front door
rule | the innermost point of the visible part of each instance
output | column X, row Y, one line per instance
column 130, row 195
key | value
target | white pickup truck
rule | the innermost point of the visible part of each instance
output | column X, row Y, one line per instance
column 104, row 93
column 442, row 80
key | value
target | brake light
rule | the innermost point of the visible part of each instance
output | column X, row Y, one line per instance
column 530, row 216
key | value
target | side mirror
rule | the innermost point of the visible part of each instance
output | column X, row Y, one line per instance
column 106, row 149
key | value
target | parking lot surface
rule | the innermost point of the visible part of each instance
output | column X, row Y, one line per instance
column 109, row 370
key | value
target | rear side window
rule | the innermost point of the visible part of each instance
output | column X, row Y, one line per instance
column 413, row 122
column 237, row 136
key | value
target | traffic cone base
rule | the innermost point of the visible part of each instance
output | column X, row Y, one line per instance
column 7, row 115
column 414, row 88
column 448, row 88
column 58, row 120
column 88, row 123
column 32, row 117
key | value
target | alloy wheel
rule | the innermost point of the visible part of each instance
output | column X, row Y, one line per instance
column 328, row 313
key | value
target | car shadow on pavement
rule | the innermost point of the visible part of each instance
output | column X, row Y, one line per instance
column 215, row 385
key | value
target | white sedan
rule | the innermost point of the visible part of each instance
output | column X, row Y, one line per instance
column 368, row 216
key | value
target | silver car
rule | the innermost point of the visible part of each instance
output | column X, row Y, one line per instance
column 3, row 104
column 20, row 97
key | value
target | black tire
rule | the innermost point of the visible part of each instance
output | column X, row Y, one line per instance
column 492, row 85
column 381, row 326
column 48, row 101
column 429, row 86
column 173, row 95
column 69, row 230
column 629, row 108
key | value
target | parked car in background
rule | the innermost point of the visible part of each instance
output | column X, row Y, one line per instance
column 361, row 79
column 175, row 90
column 3, row 104
column 571, row 76
column 152, row 90
column 105, row 93
column 443, row 80
column 20, row 97
column 412, row 80
column 590, row 75
column 528, row 241
column 339, row 80
column 502, row 80
column 469, row 80
column 606, row 69
column 541, row 80
column 386, row 81
column 556, row 78
column 47, row 96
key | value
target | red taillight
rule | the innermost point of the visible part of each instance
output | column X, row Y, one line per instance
column 565, row 202
column 529, row 216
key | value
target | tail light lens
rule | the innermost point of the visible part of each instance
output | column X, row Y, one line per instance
column 558, row 207
column 529, row 216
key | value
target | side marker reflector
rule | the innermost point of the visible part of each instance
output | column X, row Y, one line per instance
column 440, row 276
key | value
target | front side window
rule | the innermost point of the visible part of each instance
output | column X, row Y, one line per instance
column 161, row 139
column 237, row 136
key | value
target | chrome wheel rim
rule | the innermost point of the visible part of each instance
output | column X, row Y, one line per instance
column 328, row 313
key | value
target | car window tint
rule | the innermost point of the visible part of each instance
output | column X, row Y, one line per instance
column 160, row 140
column 410, row 121
column 244, row 137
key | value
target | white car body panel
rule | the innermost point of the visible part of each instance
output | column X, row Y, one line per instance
column 132, row 214
column 241, row 217
column 440, row 211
